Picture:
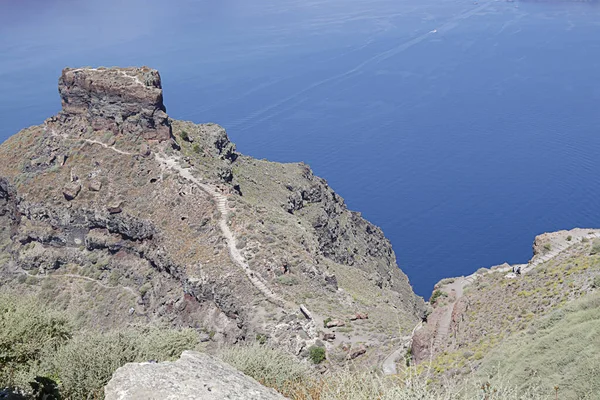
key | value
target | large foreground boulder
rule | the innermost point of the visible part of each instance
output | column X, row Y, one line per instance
column 194, row 376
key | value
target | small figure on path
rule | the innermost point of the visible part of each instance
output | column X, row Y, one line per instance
column 518, row 271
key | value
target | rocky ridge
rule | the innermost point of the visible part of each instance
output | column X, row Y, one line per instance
column 188, row 231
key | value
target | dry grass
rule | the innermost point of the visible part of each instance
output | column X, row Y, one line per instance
column 561, row 350
column 296, row 381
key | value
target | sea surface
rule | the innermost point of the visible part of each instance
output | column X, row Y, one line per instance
column 462, row 128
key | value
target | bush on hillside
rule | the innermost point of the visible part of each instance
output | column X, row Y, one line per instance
column 40, row 350
column 436, row 295
column 86, row 363
column 316, row 354
column 27, row 329
column 270, row 367
column 184, row 135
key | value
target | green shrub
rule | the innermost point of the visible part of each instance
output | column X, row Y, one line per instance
column 596, row 282
column 326, row 321
column 316, row 354
column 436, row 295
column 548, row 247
column 270, row 367
column 86, row 363
column 27, row 330
column 184, row 135
column 196, row 148
column 261, row 339
column 569, row 238
column 40, row 349
column 145, row 288
column 287, row 280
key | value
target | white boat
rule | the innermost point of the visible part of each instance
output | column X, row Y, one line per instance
column 433, row 31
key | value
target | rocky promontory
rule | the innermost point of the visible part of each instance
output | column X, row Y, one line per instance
column 125, row 216
column 126, row 101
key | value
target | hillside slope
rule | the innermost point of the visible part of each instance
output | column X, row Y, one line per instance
column 539, row 327
column 121, row 215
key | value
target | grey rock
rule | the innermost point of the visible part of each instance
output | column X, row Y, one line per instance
column 305, row 311
column 95, row 185
column 71, row 190
column 194, row 376
column 330, row 337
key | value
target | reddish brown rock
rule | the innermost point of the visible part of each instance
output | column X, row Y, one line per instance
column 356, row 352
column 126, row 101
column 422, row 342
column 359, row 316
column 334, row 323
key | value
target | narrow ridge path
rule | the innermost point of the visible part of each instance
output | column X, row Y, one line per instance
column 85, row 278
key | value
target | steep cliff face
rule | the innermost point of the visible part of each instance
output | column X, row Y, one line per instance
column 123, row 215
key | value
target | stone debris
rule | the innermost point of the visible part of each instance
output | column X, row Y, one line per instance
column 305, row 311
column 95, row 185
column 330, row 337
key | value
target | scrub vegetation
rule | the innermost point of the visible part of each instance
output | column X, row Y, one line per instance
column 37, row 341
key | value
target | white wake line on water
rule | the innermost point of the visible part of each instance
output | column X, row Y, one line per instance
column 252, row 120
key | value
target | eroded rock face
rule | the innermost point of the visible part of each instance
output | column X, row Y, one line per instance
column 125, row 101
column 193, row 376
column 8, row 214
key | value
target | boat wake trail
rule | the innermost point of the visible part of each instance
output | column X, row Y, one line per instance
column 287, row 103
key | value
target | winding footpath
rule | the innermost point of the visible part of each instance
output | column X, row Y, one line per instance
column 389, row 365
column 172, row 163
column 223, row 207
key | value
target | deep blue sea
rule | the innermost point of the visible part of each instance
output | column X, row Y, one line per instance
column 462, row 128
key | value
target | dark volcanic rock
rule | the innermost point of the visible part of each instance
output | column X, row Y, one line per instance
column 125, row 101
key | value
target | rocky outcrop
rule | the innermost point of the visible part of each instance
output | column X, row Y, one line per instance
column 194, row 376
column 124, row 209
column 126, row 101
column 9, row 217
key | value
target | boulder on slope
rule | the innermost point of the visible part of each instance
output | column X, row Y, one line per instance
column 194, row 376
